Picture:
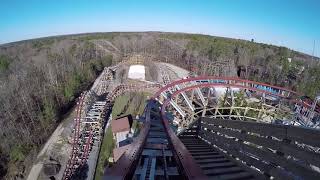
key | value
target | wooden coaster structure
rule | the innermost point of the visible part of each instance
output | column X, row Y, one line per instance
column 196, row 97
column 91, row 117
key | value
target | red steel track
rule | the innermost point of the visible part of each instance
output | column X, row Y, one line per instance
column 229, row 85
column 71, row 162
column 75, row 145
column 235, row 82
column 87, row 148
column 189, row 166
column 227, row 80
column 184, row 155
column 123, row 166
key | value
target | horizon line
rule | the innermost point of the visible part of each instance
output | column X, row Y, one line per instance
column 157, row 31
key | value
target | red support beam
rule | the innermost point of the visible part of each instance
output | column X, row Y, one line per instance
column 247, row 83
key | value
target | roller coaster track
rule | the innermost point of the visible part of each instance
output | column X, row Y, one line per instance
column 75, row 147
column 216, row 147
column 123, row 88
column 76, row 156
column 87, row 148
column 177, row 92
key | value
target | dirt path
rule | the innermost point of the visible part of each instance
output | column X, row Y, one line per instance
column 178, row 71
column 56, row 142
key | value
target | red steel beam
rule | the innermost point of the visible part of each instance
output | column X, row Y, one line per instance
column 191, row 169
column 234, row 86
column 187, row 164
column 70, row 164
column 87, row 148
column 198, row 78
column 123, row 168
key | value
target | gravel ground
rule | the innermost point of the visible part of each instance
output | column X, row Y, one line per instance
column 93, row 159
column 56, row 147
column 174, row 72
column 178, row 71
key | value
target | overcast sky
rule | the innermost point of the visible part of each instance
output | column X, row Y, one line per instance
column 291, row 23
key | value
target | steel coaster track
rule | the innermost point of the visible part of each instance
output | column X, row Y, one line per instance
column 188, row 162
column 75, row 146
column 168, row 93
column 72, row 164
column 146, row 148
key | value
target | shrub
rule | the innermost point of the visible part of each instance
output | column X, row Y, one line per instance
column 4, row 62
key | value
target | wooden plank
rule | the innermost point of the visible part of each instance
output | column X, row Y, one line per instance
column 153, row 169
column 259, row 128
column 186, row 162
column 288, row 149
column 280, row 131
column 304, row 135
column 217, row 165
column 210, row 156
column 206, row 161
column 241, row 175
column 255, row 173
column 266, row 168
column 219, row 171
column 144, row 168
column 213, row 152
column 295, row 168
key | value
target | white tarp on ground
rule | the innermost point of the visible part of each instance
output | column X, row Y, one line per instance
column 221, row 91
column 137, row 72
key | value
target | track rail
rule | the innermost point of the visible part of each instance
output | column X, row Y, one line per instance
column 87, row 148
column 300, row 110
column 167, row 101
column 190, row 168
column 282, row 93
column 123, row 169
column 125, row 166
column 225, row 81
column 75, row 147
column 75, row 156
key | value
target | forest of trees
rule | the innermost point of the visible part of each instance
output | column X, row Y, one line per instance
column 35, row 95
column 255, row 61
column 40, row 79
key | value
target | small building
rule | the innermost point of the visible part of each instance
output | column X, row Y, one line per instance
column 121, row 129
column 121, row 124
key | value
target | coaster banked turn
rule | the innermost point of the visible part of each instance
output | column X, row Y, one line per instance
column 192, row 132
